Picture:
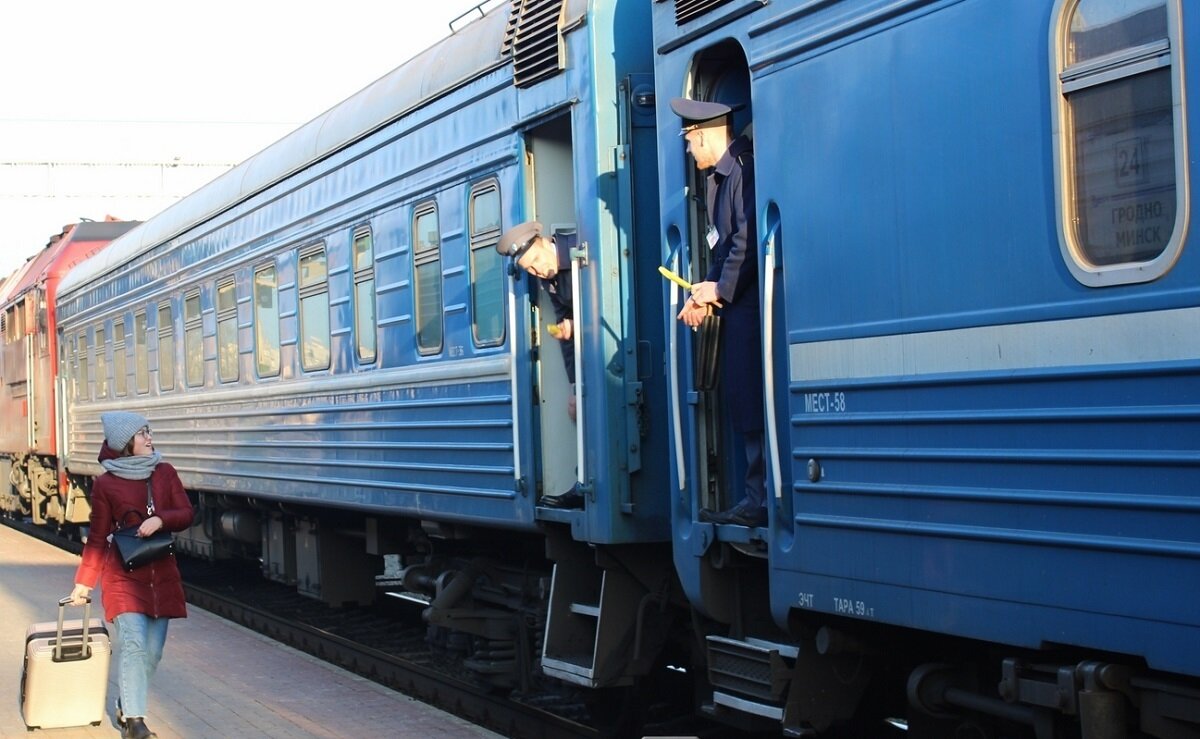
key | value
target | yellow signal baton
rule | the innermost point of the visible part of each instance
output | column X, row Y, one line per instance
column 675, row 278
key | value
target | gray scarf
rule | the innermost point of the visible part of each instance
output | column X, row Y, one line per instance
column 138, row 467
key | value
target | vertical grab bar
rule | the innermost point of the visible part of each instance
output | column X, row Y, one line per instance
column 512, row 374
column 673, row 400
column 60, row 417
column 31, row 390
column 768, row 351
column 578, row 258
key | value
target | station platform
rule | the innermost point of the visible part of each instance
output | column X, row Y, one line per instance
column 216, row 679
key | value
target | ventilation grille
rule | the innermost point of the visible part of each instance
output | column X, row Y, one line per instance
column 686, row 10
column 535, row 39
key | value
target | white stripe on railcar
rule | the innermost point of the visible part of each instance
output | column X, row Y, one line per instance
column 1154, row 336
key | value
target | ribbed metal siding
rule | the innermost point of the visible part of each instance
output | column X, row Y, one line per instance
column 534, row 36
column 686, row 10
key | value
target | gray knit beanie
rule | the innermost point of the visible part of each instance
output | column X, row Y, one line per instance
column 119, row 428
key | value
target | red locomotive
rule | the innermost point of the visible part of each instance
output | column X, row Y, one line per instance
column 29, row 442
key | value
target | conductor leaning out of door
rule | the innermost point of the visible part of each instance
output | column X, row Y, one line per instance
column 140, row 602
column 549, row 260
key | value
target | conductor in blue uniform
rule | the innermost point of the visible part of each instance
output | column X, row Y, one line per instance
column 731, row 285
column 549, row 259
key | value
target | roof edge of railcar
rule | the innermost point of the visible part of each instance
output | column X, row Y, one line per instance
column 50, row 262
column 439, row 69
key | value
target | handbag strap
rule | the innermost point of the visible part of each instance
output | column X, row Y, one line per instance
column 149, row 507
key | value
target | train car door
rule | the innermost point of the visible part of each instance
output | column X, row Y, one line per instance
column 719, row 74
column 550, row 183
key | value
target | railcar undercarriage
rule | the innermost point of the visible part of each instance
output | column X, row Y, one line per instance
column 32, row 491
column 514, row 606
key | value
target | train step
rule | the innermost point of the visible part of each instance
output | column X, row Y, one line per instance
column 591, row 618
column 751, row 675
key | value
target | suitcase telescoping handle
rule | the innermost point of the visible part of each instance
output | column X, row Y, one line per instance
column 85, row 647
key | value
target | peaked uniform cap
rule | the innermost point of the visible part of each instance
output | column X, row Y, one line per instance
column 517, row 239
column 699, row 111
column 120, row 426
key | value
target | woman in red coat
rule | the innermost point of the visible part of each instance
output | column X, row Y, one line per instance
column 141, row 602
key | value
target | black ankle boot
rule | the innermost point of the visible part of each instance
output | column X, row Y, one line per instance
column 135, row 728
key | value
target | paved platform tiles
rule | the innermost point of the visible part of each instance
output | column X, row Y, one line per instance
column 217, row 679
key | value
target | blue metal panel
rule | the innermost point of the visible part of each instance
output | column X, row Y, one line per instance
column 690, row 541
column 1003, row 453
column 615, row 151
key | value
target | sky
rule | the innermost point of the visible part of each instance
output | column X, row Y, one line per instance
column 120, row 108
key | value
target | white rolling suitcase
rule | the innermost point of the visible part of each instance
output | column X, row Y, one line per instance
column 65, row 679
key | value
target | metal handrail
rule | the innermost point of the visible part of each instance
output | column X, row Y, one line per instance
column 768, row 356
column 578, row 258
column 673, row 395
column 516, row 411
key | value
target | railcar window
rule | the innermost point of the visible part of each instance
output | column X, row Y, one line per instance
column 314, row 310
column 120, row 380
column 266, row 322
column 73, row 365
column 84, row 370
column 1122, row 176
column 427, row 266
column 101, row 363
column 43, row 335
column 227, row 333
column 141, row 355
column 166, row 348
column 364, row 295
column 487, row 268
column 193, row 340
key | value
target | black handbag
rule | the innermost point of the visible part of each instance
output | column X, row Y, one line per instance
column 136, row 551
column 708, row 351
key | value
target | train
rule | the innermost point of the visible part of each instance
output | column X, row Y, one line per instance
column 978, row 293
column 29, row 401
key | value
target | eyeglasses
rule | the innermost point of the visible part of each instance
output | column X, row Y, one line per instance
column 688, row 129
column 144, row 432
column 518, row 251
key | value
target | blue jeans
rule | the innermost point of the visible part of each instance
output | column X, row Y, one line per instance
column 140, row 641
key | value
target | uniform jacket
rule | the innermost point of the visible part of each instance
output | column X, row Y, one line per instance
column 559, row 289
column 154, row 589
column 734, row 267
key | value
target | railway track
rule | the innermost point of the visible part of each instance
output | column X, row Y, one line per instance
column 388, row 646
column 370, row 643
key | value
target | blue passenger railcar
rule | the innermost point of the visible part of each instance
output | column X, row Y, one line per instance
column 343, row 369
column 979, row 295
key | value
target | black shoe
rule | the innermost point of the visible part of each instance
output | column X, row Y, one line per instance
column 754, row 518
column 736, row 516
column 707, row 515
column 135, row 728
column 572, row 499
